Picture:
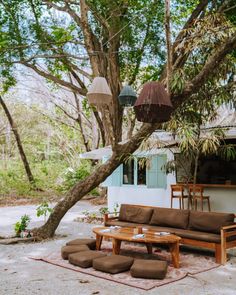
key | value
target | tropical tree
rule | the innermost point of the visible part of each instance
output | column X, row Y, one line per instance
column 122, row 41
column 18, row 141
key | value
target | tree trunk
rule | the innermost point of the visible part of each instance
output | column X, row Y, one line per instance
column 195, row 168
column 18, row 141
column 168, row 43
column 93, row 180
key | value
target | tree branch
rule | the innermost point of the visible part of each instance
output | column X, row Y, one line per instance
column 209, row 68
column 54, row 78
column 139, row 58
column 99, row 18
column 195, row 14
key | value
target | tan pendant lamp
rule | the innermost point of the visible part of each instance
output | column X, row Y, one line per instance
column 153, row 104
column 99, row 92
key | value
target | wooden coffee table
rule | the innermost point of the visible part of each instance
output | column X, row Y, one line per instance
column 127, row 234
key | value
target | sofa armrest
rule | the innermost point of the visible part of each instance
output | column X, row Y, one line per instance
column 226, row 232
column 106, row 216
column 228, row 227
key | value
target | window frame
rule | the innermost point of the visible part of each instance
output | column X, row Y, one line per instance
column 135, row 167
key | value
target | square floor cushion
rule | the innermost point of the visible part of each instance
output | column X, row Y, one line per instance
column 66, row 250
column 85, row 259
column 113, row 264
column 91, row 243
column 149, row 269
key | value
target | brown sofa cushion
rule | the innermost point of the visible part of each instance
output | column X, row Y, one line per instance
column 149, row 269
column 209, row 221
column 198, row 235
column 85, row 259
column 91, row 243
column 67, row 250
column 170, row 217
column 135, row 214
column 113, row 264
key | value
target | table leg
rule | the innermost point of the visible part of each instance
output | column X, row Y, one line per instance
column 116, row 246
column 174, row 250
column 149, row 248
column 98, row 242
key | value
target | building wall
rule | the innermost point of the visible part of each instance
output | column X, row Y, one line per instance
column 141, row 194
column 222, row 199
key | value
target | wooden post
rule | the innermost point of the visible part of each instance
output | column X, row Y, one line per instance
column 223, row 247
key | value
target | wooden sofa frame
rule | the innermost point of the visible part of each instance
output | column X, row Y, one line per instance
column 219, row 248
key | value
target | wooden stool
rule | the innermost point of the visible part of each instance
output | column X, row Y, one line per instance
column 196, row 191
column 177, row 191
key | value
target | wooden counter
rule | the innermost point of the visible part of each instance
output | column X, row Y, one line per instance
column 219, row 185
column 211, row 185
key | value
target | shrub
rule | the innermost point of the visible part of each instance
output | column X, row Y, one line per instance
column 72, row 176
column 22, row 224
column 43, row 210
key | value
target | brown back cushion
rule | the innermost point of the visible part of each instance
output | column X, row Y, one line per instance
column 135, row 214
column 209, row 221
column 170, row 217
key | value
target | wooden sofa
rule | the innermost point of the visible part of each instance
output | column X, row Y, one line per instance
column 211, row 230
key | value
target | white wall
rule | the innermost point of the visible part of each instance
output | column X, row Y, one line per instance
column 222, row 199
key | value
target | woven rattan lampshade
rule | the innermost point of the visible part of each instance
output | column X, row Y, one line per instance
column 153, row 104
column 127, row 96
column 99, row 93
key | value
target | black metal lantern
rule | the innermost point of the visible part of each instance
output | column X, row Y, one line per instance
column 153, row 104
column 127, row 96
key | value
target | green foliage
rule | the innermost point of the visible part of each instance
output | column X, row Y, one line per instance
column 227, row 152
column 85, row 213
column 22, row 224
column 116, row 209
column 103, row 210
column 72, row 176
column 43, row 210
column 13, row 179
column 178, row 82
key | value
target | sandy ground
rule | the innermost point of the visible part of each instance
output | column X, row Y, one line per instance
column 21, row 275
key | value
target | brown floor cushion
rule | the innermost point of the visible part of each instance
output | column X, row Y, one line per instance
column 85, row 259
column 113, row 264
column 149, row 269
column 67, row 250
column 91, row 243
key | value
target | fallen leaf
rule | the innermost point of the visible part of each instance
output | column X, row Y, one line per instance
column 83, row 281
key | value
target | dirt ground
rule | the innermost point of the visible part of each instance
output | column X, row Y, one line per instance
column 20, row 275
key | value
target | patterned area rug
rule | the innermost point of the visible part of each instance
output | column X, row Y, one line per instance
column 190, row 264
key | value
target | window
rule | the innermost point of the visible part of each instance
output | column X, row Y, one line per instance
column 128, row 172
column 141, row 178
column 134, row 172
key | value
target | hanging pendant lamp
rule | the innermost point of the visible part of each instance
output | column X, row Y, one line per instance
column 99, row 93
column 153, row 104
column 127, row 96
